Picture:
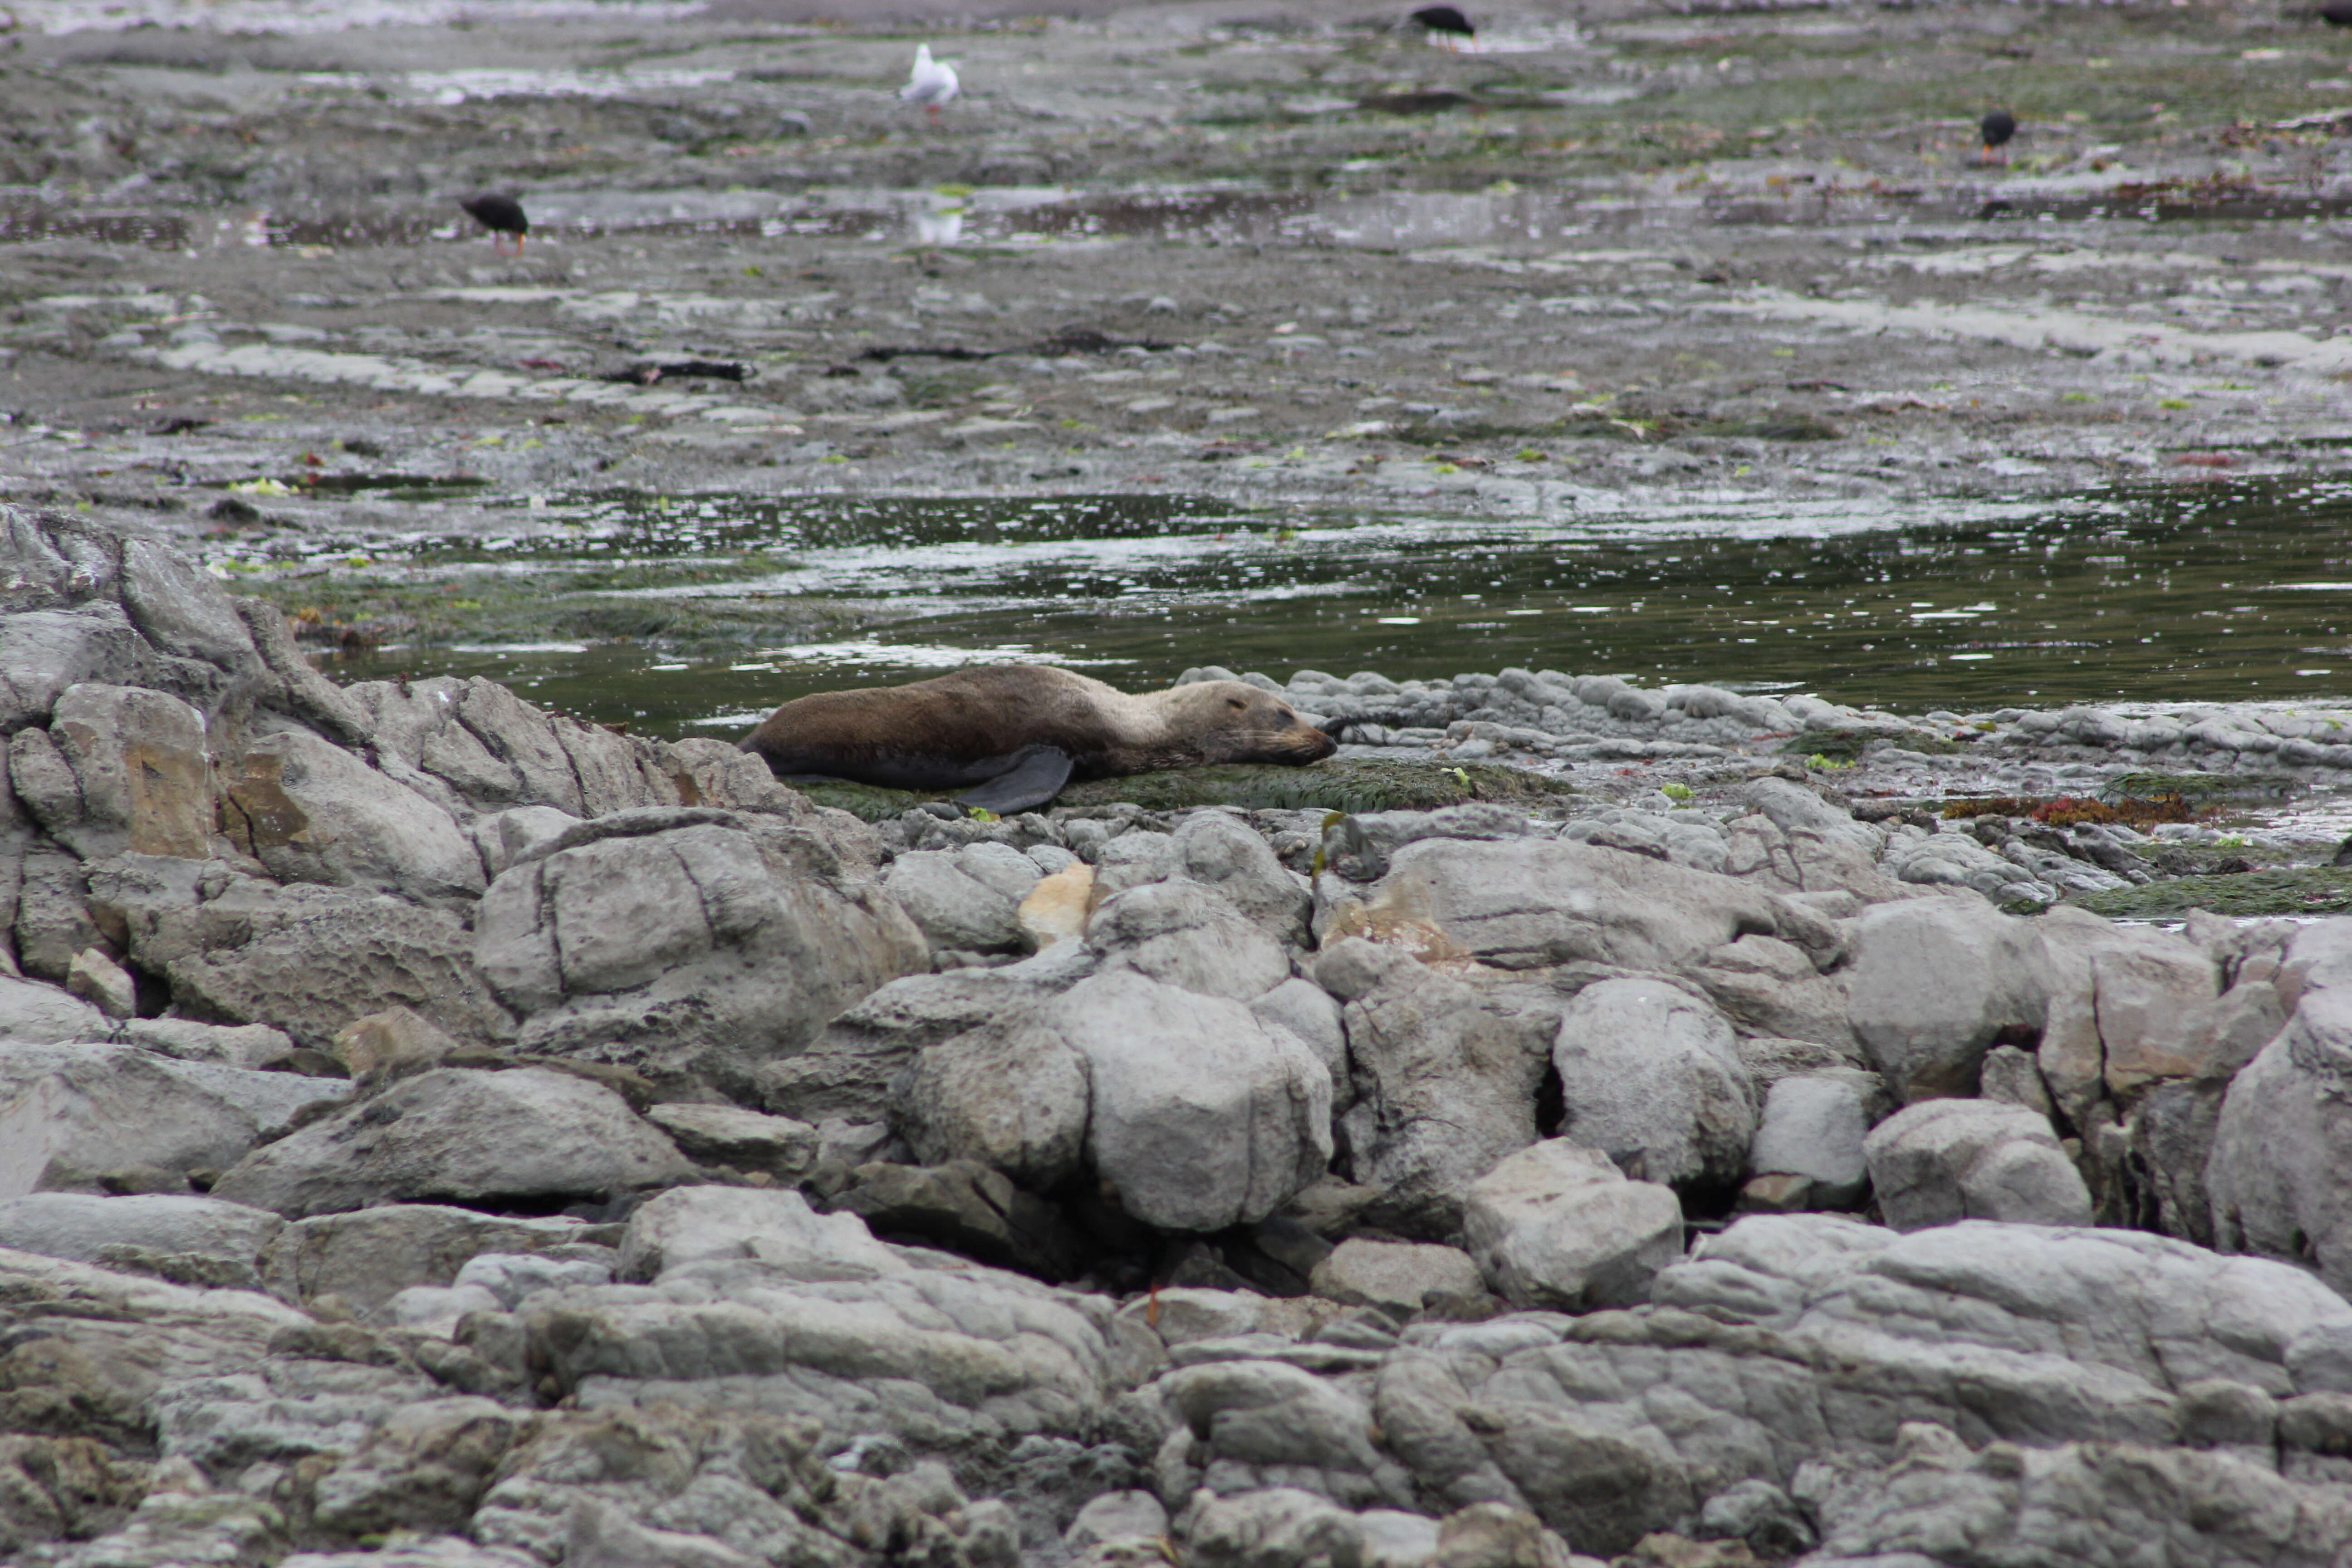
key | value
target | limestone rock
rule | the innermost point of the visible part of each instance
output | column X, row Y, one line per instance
column 1315, row 1015
column 689, row 948
column 119, row 768
column 1202, row 1117
column 741, row 1140
column 1183, row 934
column 1947, row 1160
column 310, row 960
column 1936, row 982
column 1395, row 1275
column 312, row 812
column 2274, row 1178
column 1528, row 905
column 1222, row 853
column 954, row 909
column 365, row 1258
column 1649, row 1072
column 1814, row 1126
column 1560, row 1225
column 1011, row 1094
column 1443, row 1088
column 847, row 1070
column 449, row 1134
column 195, row 1241
column 34, row 1013
column 74, row 1118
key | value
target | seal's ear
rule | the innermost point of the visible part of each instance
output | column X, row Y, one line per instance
column 1036, row 776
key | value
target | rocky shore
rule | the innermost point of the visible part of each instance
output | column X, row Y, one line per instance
column 438, row 1133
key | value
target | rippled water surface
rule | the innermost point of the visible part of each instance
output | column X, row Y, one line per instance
column 686, row 613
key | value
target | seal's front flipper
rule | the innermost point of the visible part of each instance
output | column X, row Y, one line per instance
column 1037, row 777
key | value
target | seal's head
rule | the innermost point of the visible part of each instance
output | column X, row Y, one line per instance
column 1233, row 723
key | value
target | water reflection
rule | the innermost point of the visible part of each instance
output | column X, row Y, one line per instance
column 1523, row 221
column 2224, row 592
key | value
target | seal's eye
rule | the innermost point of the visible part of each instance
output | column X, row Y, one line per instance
column 1236, row 702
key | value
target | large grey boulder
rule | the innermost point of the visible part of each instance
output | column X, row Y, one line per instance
column 1011, row 1094
column 738, row 1139
column 74, row 1118
column 2274, row 1178
column 2131, row 1006
column 1936, row 982
column 34, row 1013
column 1254, row 1424
column 1785, row 1339
column 1183, row 934
column 310, row 811
column 530, row 1134
column 1202, row 1117
column 700, row 1224
column 1793, row 839
column 491, row 751
column 847, row 1070
column 1768, row 987
column 2078, row 1502
column 1948, row 1160
column 110, row 1341
column 307, row 960
column 1317, row 1017
column 761, row 1305
column 1814, row 1126
column 366, row 1257
column 196, row 1241
column 1289, row 1524
column 1395, row 1275
column 84, row 601
column 1444, row 1089
column 1560, row 1225
column 691, row 946
column 1649, row 1072
column 1517, row 904
column 956, row 911
column 1223, row 852
column 118, row 768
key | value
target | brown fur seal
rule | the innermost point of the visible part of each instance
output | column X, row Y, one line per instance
column 1020, row 732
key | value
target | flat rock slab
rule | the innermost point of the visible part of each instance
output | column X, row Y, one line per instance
column 529, row 1134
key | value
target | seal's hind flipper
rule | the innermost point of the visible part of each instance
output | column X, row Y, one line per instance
column 1035, row 778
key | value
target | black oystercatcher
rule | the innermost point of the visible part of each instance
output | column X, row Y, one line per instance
column 500, row 213
column 1997, row 128
column 2337, row 14
column 1447, row 22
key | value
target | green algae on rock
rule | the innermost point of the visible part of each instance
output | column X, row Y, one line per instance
column 1340, row 783
column 2316, row 891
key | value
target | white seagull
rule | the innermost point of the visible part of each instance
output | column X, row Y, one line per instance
column 932, row 83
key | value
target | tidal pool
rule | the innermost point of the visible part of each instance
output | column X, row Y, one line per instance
column 693, row 613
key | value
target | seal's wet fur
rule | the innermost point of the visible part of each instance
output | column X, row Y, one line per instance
column 1011, row 735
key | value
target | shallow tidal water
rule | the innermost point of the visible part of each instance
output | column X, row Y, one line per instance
column 2223, row 591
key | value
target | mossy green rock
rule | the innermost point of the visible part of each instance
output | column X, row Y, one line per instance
column 1338, row 783
column 2201, row 789
column 2318, row 891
